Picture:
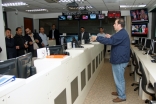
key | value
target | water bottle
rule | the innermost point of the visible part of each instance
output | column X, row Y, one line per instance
column 73, row 44
column 48, row 52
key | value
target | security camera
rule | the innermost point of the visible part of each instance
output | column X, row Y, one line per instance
column 16, row 12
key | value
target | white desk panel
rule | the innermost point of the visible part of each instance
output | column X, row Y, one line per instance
column 7, row 88
column 42, row 64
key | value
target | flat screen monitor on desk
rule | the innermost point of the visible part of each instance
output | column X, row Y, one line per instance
column 148, row 43
column 154, row 47
column 142, row 41
column 24, row 64
column 55, row 50
column 9, row 67
column 139, row 40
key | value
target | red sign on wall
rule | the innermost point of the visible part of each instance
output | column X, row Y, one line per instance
column 114, row 14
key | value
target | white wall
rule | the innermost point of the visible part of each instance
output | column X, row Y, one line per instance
column 15, row 21
column 36, row 24
column 2, row 36
column 46, row 15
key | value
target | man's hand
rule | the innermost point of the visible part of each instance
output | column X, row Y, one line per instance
column 108, row 35
column 26, row 46
column 37, row 41
column 43, row 45
column 30, row 43
column 93, row 38
column 11, row 36
column 17, row 47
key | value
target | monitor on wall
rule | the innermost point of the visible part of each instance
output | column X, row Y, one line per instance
column 139, row 15
column 92, row 16
column 84, row 17
column 61, row 18
column 69, row 17
column 76, row 17
column 101, row 16
column 140, row 30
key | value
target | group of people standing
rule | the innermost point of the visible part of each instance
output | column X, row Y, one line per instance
column 19, row 45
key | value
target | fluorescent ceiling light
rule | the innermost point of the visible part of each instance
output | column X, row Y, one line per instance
column 87, row 7
column 37, row 10
column 71, row 0
column 132, row 6
column 14, row 4
column 82, row 7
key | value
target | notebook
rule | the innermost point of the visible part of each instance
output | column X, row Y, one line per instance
column 4, row 79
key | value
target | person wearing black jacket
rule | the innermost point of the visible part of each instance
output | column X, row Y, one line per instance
column 20, row 42
column 54, row 34
column 83, row 35
column 10, row 45
column 34, row 42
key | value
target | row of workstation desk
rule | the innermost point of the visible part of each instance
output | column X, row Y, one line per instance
column 58, row 81
column 149, row 67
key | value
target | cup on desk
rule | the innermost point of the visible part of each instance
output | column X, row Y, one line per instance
column 82, row 41
column 69, row 46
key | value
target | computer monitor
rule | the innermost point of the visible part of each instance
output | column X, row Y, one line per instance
column 9, row 67
column 154, row 47
column 139, row 40
column 143, row 41
column 136, row 41
column 148, row 43
column 55, row 50
column 24, row 64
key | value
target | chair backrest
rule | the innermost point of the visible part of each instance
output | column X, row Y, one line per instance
column 132, row 56
column 155, row 88
column 136, row 65
column 144, row 78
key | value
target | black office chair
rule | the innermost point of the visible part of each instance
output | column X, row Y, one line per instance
column 132, row 57
column 145, row 84
column 153, row 102
column 136, row 69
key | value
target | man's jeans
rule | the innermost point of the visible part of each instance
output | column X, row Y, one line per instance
column 118, row 73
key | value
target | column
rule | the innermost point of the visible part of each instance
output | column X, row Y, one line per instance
column 2, row 35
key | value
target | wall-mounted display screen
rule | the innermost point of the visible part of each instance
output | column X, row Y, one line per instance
column 85, row 17
column 139, row 30
column 101, row 16
column 69, row 17
column 92, row 16
column 139, row 15
column 62, row 17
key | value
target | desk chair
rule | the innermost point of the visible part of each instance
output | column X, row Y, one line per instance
column 136, row 69
column 145, row 84
column 132, row 57
column 154, row 102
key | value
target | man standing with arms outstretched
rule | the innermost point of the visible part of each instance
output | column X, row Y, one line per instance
column 120, row 56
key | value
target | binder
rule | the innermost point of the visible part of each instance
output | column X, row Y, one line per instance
column 56, row 56
column 4, row 79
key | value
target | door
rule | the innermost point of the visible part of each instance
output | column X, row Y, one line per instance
column 28, row 23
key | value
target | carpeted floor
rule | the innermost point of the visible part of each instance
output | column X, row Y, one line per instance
column 100, row 93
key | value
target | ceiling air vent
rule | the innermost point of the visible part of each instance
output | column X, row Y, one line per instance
column 73, row 6
column 52, row 1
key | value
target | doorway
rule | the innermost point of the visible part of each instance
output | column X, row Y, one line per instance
column 28, row 23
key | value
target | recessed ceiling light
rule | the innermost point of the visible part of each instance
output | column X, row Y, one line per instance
column 132, row 6
column 37, row 10
column 80, row 8
column 14, row 4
